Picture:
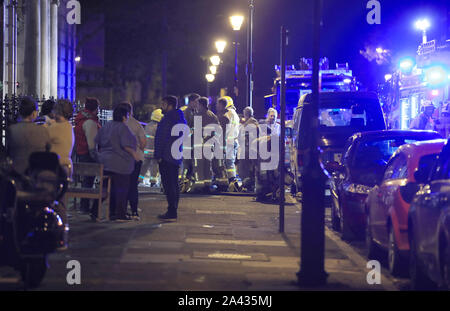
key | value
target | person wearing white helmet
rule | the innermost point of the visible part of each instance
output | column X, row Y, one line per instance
column 424, row 120
column 149, row 151
column 229, row 120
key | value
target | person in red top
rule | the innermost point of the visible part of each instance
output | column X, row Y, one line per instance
column 86, row 128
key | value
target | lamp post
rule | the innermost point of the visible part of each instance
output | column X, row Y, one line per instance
column 312, row 256
column 250, row 55
column 423, row 25
column 236, row 22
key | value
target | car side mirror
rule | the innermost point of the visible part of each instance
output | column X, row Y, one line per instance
column 408, row 191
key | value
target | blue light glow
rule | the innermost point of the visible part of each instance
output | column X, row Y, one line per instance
column 436, row 76
column 406, row 64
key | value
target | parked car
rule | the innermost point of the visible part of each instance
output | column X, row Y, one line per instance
column 429, row 225
column 341, row 114
column 387, row 212
column 362, row 168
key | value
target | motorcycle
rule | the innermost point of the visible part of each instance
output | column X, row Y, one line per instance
column 31, row 216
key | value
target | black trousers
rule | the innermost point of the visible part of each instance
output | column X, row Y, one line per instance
column 87, row 182
column 169, row 179
column 119, row 193
column 133, row 193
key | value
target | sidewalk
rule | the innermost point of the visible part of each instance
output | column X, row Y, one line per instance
column 221, row 242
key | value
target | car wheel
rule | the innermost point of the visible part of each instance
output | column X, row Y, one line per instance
column 397, row 265
column 335, row 222
column 419, row 280
column 373, row 250
column 33, row 271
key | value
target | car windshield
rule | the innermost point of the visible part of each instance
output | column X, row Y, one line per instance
column 371, row 158
column 330, row 117
column 350, row 115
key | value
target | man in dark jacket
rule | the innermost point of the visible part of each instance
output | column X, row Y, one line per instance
column 169, row 164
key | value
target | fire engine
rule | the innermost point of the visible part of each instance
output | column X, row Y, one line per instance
column 299, row 82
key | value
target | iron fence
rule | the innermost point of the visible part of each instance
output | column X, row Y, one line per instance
column 9, row 113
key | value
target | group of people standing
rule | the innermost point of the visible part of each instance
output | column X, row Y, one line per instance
column 119, row 145
column 127, row 150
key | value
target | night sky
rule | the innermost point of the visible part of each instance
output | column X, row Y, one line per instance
column 195, row 24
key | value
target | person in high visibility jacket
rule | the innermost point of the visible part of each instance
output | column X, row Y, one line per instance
column 229, row 120
column 150, row 163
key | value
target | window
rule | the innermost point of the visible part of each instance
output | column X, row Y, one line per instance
column 427, row 164
column 397, row 168
column 332, row 117
column 400, row 167
column 440, row 168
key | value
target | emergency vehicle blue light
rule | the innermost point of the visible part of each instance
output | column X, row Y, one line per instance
column 436, row 76
column 406, row 64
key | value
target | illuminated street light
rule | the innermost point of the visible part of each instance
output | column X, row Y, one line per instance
column 78, row 59
column 215, row 60
column 236, row 22
column 387, row 77
column 380, row 50
column 220, row 46
column 423, row 25
column 210, row 77
column 213, row 69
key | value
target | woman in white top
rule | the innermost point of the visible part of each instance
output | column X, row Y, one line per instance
column 61, row 134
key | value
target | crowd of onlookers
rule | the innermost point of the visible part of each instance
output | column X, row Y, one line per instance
column 119, row 145
column 126, row 148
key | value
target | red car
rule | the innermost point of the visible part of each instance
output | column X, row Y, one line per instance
column 363, row 164
column 387, row 212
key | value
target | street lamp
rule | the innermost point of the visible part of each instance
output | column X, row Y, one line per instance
column 236, row 22
column 423, row 25
column 215, row 60
column 210, row 77
column 220, row 46
column 213, row 69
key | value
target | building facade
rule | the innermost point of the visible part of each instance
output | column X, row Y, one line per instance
column 38, row 49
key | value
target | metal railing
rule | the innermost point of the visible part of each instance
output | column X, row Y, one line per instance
column 9, row 113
